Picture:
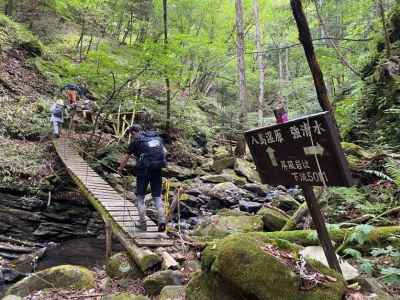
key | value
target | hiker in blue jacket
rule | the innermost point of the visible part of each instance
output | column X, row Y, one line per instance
column 57, row 116
column 149, row 151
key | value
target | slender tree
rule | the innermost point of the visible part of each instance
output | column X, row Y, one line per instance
column 167, row 82
column 9, row 8
column 384, row 25
column 241, row 147
column 260, row 62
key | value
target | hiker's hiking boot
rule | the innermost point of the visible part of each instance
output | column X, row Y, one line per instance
column 141, row 225
column 161, row 227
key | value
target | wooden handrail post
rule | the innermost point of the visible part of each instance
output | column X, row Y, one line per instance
column 108, row 229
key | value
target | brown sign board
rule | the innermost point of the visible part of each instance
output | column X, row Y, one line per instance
column 304, row 152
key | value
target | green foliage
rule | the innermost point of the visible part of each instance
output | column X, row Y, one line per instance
column 391, row 275
column 360, row 234
column 22, row 163
column 393, row 168
column 388, row 251
column 12, row 33
column 366, row 266
column 24, row 119
column 352, row 253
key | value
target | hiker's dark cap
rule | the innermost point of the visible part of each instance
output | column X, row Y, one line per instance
column 134, row 128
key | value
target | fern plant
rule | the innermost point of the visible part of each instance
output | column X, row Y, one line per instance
column 392, row 167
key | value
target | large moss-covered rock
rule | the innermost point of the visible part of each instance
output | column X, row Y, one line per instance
column 64, row 276
column 221, row 163
column 173, row 292
column 247, row 169
column 218, row 178
column 255, row 274
column 208, row 286
column 182, row 173
column 225, row 194
column 124, row 296
column 154, row 283
column 273, row 219
column 220, row 226
column 226, row 176
column 358, row 157
column 238, row 180
column 285, row 202
column 120, row 266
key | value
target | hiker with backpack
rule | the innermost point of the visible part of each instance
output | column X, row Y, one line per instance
column 74, row 92
column 149, row 151
column 57, row 116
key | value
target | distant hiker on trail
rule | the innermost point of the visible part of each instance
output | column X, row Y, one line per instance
column 57, row 117
column 71, row 93
column 150, row 153
column 76, row 91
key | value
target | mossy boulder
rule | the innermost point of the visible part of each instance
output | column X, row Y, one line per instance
column 208, row 286
column 247, row 169
column 154, row 283
column 236, row 179
column 255, row 274
column 173, row 292
column 273, row 219
column 285, row 202
column 222, row 163
column 219, row 226
column 219, row 178
column 225, row 194
column 124, row 296
column 358, row 157
column 65, row 276
column 181, row 173
column 119, row 266
column 232, row 213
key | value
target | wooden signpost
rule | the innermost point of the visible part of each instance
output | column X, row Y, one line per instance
column 304, row 152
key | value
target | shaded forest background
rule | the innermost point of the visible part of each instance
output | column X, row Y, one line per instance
column 96, row 41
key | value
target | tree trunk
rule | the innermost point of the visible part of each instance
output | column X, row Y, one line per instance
column 167, row 83
column 260, row 62
column 241, row 147
column 89, row 47
column 9, row 8
column 383, row 18
column 306, row 40
column 241, row 64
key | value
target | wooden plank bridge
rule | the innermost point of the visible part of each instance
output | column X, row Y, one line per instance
column 106, row 200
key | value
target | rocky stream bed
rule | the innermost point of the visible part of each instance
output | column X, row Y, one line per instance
column 228, row 243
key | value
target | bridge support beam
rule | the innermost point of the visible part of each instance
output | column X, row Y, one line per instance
column 144, row 258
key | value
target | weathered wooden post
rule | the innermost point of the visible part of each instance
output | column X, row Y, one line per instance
column 304, row 152
column 108, row 228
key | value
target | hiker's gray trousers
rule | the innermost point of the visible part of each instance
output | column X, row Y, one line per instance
column 142, row 209
column 56, row 127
